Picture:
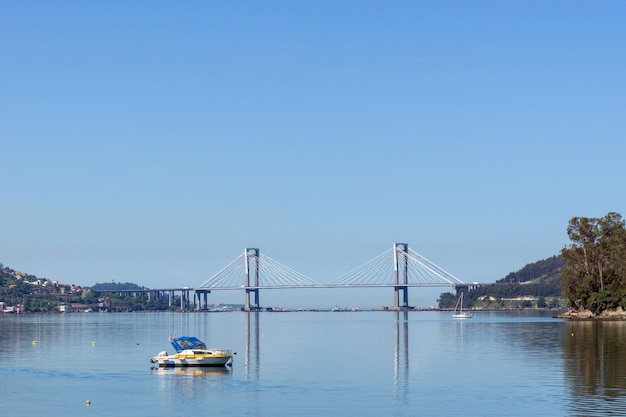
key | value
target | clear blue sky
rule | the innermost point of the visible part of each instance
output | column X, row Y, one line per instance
column 152, row 141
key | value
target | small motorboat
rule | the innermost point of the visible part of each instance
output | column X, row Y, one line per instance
column 191, row 351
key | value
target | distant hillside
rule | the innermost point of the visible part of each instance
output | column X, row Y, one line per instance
column 531, row 286
column 117, row 286
column 545, row 268
column 24, row 292
column 537, row 284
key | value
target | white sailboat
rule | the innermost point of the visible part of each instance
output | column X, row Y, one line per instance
column 458, row 310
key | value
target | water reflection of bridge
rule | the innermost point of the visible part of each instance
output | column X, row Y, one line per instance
column 399, row 268
column 252, row 360
column 401, row 353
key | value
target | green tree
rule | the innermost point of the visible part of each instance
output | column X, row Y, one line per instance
column 554, row 303
column 594, row 275
column 541, row 303
column 446, row 300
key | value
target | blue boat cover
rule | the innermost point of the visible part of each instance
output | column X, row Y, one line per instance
column 187, row 342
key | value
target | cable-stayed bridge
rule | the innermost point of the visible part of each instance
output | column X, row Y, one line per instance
column 398, row 268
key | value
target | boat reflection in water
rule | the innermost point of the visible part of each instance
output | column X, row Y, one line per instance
column 205, row 373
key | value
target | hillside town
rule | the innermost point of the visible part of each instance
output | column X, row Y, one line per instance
column 22, row 292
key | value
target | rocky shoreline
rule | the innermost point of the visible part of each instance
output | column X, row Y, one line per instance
column 612, row 314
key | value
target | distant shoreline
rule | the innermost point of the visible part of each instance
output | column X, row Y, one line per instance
column 567, row 315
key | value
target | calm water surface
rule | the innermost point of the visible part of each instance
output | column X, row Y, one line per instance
column 315, row 364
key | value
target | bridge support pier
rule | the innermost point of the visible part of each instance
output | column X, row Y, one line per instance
column 201, row 299
column 251, row 257
column 400, row 269
column 184, row 299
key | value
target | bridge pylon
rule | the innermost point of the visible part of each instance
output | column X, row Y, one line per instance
column 400, row 275
column 251, row 259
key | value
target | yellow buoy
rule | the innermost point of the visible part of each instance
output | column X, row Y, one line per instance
column 88, row 402
column 93, row 343
column 34, row 342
